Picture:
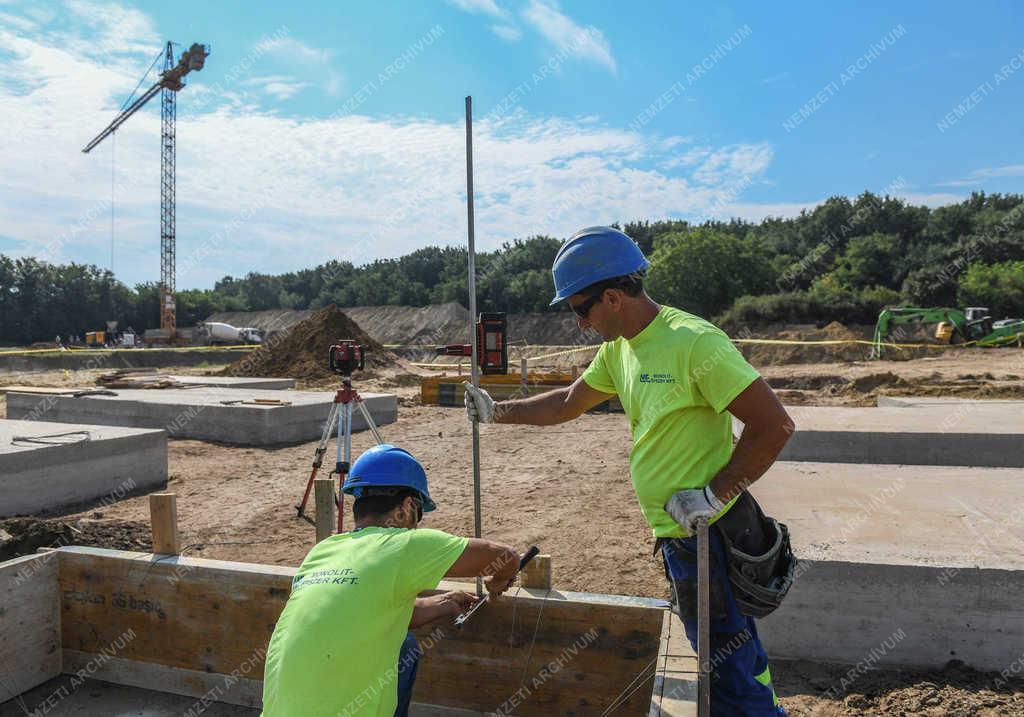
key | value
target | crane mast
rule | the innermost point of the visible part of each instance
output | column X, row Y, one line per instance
column 168, row 116
column 168, row 86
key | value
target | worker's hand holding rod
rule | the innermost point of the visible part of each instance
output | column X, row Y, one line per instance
column 527, row 557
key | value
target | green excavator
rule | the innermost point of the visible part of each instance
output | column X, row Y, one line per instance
column 954, row 326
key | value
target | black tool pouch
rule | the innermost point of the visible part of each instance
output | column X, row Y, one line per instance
column 684, row 590
column 761, row 562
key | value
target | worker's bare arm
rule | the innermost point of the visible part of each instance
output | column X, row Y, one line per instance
column 434, row 607
column 551, row 407
column 482, row 558
column 766, row 429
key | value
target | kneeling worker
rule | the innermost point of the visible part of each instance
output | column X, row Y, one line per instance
column 342, row 645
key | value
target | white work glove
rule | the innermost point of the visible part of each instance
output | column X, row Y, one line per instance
column 688, row 506
column 479, row 404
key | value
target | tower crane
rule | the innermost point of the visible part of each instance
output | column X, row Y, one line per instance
column 169, row 83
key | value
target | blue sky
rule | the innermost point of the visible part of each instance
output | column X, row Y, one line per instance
column 324, row 130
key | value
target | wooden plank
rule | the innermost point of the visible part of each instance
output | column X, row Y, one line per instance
column 537, row 573
column 236, row 689
column 585, row 655
column 184, row 613
column 46, row 390
column 163, row 516
column 208, row 617
column 323, row 494
column 29, row 623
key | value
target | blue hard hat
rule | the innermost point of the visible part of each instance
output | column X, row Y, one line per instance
column 387, row 466
column 592, row 255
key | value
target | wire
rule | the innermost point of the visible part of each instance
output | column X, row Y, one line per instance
column 131, row 97
column 44, row 440
column 113, row 145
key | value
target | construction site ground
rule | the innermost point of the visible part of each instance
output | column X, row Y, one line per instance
column 564, row 488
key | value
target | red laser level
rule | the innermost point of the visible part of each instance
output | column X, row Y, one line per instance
column 492, row 352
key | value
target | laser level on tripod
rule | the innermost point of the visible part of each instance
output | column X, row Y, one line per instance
column 491, row 349
column 343, row 358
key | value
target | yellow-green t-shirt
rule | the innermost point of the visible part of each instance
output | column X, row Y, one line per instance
column 335, row 647
column 674, row 379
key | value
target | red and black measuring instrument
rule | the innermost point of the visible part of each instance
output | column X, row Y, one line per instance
column 491, row 348
column 343, row 358
column 464, row 617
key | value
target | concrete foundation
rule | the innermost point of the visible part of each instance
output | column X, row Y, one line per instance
column 960, row 434
column 899, row 565
column 15, row 362
column 93, row 698
column 916, row 401
column 101, row 462
column 202, row 414
column 274, row 384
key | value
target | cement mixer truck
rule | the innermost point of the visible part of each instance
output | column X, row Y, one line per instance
column 216, row 332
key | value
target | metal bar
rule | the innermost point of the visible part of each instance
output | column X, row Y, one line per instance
column 369, row 421
column 703, row 621
column 474, row 369
column 120, row 119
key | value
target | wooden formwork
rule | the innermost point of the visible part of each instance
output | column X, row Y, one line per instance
column 196, row 627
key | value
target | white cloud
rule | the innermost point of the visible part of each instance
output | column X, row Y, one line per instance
column 507, row 32
column 280, row 87
column 262, row 192
column 585, row 43
column 931, row 199
column 980, row 176
column 318, row 61
column 481, row 7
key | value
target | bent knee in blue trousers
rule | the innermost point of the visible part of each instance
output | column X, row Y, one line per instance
column 741, row 683
column 408, row 664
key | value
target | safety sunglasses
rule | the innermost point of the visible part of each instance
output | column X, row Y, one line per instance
column 584, row 308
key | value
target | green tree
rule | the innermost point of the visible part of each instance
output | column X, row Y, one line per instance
column 1000, row 287
column 705, row 271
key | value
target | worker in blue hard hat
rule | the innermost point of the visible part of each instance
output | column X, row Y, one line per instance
column 343, row 643
column 680, row 380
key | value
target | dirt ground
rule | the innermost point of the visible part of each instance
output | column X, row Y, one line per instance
column 564, row 488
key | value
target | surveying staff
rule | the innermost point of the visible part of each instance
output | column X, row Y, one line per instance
column 679, row 378
column 342, row 645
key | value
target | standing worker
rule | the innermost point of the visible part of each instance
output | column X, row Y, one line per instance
column 679, row 378
column 342, row 646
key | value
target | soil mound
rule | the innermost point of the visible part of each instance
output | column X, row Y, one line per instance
column 23, row 536
column 301, row 352
column 797, row 352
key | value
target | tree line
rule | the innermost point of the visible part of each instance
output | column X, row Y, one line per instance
column 844, row 260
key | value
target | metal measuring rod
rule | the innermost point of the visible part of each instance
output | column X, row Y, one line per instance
column 464, row 617
column 703, row 620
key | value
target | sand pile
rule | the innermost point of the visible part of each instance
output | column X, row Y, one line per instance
column 301, row 352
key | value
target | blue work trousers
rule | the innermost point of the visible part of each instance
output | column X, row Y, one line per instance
column 408, row 663
column 741, row 683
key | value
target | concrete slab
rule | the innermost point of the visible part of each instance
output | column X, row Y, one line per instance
column 95, row 698
column 967, row 434
column 275, row 384
column 912, row 401
column 899, row 565
column 201, row 413
column 899, row 515
column 42, row 470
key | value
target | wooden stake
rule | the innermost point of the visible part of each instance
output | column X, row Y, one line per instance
column 323, row 493
column 522, row 378
column 163, row 516
column 537, row 573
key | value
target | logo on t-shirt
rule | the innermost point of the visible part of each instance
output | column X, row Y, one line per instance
column 330, row 576
column 657, row 378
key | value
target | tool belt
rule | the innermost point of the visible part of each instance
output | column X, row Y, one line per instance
column 760, row 562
